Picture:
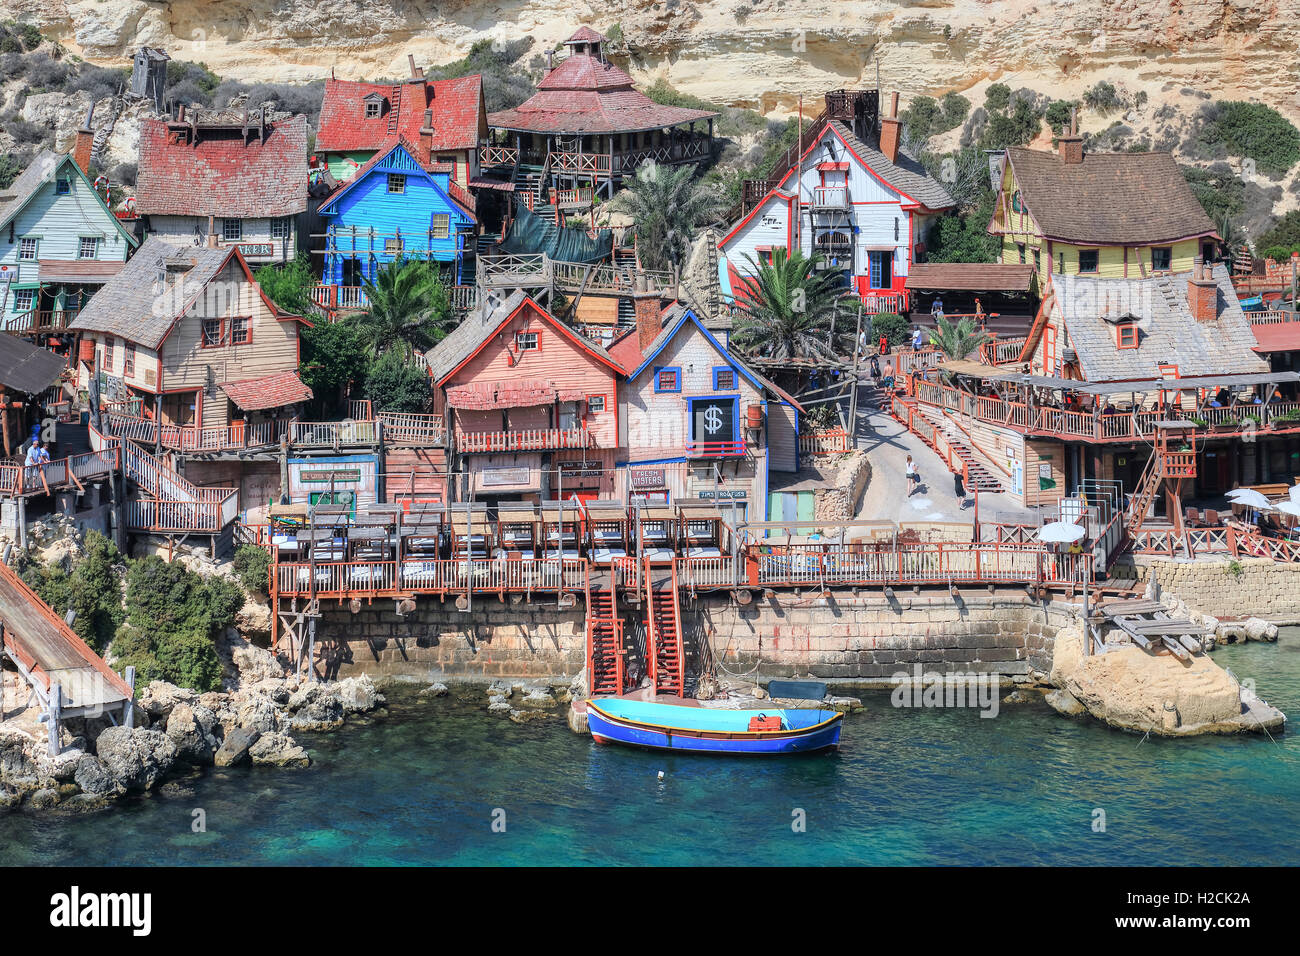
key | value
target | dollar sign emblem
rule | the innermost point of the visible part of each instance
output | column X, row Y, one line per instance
column 712, row 419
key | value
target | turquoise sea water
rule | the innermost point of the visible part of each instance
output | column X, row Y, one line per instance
column 421, row 785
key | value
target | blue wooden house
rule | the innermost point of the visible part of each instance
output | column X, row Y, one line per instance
column 59, row 243
column 395, row 207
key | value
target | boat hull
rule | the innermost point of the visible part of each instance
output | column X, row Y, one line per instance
column 607, row 728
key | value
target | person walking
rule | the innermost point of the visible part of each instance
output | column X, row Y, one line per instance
column 959, row 488
column 875, row 370
column 913, row 479
column 916, row 338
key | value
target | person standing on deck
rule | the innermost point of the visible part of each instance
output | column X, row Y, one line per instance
column 913, row 479
column 916, row 338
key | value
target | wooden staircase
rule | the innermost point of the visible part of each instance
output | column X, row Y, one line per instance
column 667, row 664
column 977, row 475
column 606, row 655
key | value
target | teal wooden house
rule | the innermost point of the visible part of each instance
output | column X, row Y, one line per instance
column 395, row 207
column 59, row 244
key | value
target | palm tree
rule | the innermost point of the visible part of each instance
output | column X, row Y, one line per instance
column 667, row 205
column 409, row 308
column 789, row 304
column 957, row 339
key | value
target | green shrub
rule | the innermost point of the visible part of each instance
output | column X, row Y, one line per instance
column 334, row 356
column 252, row 564
column 1014, row 128
column 1283, row 236
column 395, row 384
column 997, row 96
column 173, row 617
column 289, row 286
column 91, row 589
column 1103, row 98
column 1250, row 129
column 891, row 325
column 1058, row 116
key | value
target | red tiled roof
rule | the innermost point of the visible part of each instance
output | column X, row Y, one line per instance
column 605, row 111
column 457, row 113
column 582, row 71
column 585, row 34
column 1277, row 336
column 223, row 175
column 273, row 391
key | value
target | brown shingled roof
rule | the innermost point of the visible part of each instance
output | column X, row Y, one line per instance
column 1109, row 198
column 970, row 277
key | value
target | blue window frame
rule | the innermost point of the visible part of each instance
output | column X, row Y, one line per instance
column 62, row 187
column 725, row 379
column 668, row 378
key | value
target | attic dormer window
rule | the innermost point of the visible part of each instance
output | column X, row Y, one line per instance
column 1126, row 335
column 373, row 110
column 374, row 105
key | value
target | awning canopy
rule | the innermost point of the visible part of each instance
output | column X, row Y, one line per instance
column 1277, row 337
column 94, row 271
column 272, row 391
column 26, row 368
column 969, row 277
column 486, row 396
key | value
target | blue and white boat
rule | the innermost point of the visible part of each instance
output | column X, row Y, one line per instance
column 711, row 730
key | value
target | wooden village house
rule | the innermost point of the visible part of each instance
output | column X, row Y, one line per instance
column 233, row 175
column 852, row 196
column 396, row 206
column 445, row 118
column 700, row 424
column 588, row 125
column 59, row 244
column 531, row 405
column 1117, row 215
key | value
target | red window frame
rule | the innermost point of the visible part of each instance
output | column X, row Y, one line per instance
column 109, row 343
column 1126, row 335
column 128, row 360
column 203, row 333
column 537, row 341
column 242, row 323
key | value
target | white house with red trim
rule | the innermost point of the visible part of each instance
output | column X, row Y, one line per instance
column 865, row 206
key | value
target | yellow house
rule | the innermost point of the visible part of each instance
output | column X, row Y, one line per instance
column 1110, row 215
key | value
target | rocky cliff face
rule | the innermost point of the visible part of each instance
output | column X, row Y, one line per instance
column 760, row 53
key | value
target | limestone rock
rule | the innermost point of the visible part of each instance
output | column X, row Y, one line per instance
column 1157, row 693
column 136, row 759
column 1257, row 629
column 358, row 694
column 278, row 750
column 315, row 707
column 498, row 705
column 1063, row 702
column 18, row 767
column 160, row 697
column 234, row 749
column 194, row 744
column 435, row 690
column 246, row 663
column 523, row 716
column 44, row 799
column 845, row 705
column 538, row 698
column 94, row 778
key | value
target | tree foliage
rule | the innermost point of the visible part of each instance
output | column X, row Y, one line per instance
column 788, row 305
column 335, row 355
column 892, row 326
column 1235, row 128
column 963, row 236
column 397, row 384
column 667, row 204
column 92, row 589
column 408, row 307
column 957, row 339
column 289, row 286
column 1282, row 238
column 252, row 564
column 173, row 617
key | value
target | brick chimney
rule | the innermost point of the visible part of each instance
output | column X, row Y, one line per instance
column 417, row 72
column 426, row 137
column 1203, row 292
column 1070, row 144
column 890, row 127
column 84, row 143
column 645, row 301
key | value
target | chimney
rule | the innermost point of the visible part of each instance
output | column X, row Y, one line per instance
column 417, row 72
column 645, row 301
column 426, row 136
column 549, row 61
column 1203, row 292
column 1070, row 145
column 85, row 141
column 889, row 130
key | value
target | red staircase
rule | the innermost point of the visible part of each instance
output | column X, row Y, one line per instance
column 977, row 476
column 606, row 655
column 664, row 638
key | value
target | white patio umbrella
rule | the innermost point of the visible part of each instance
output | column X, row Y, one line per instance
column 1250, row 498
column 1294, row 492
column 1291, row 508
column 1061, row 532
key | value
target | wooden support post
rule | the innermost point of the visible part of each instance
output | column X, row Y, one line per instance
column 128, row 709
column 53, row 714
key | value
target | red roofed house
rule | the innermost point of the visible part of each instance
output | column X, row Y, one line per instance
column 850, row 195
column 593, row 125
column 233, row 174
column 532, row 405
column 447, row 117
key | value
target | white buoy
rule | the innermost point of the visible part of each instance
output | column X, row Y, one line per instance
column 661, row 774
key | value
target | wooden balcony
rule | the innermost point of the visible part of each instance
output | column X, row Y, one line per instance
column 530, row 439
column 336, row 299
column 834, row 198
column 17, row 481
column 834, row 441
column 41, row 321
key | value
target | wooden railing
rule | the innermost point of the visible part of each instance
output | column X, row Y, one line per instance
column 875, row 303
column 332, row 434
column 346, row 578
column 830, row 197
column 1272, row 317
column 188, row 438
column 833, row 441
column 929, row 563
column 907, row 361
column 491, row 156
column 401, row 428
column 41, row 320
column 1194, row 542
column 16, row 479
column 528, row 439
column 1001, row 351
column 344, row 297
column 715, row 449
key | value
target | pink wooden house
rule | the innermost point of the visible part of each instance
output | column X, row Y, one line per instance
column 531, row 405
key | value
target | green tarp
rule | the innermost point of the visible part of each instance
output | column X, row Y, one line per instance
column 530, row 234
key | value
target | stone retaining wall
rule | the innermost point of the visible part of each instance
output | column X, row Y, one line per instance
column 865, row 638
column 1262, row 588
